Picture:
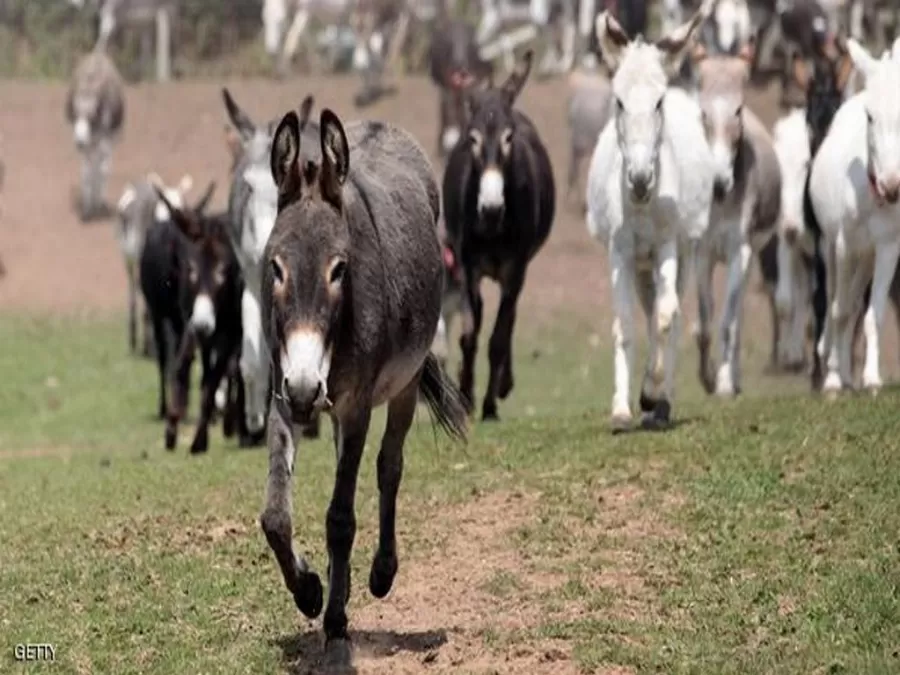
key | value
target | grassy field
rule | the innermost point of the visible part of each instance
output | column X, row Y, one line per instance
column 759, row 536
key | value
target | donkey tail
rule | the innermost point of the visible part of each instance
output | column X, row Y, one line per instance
column 443, row 398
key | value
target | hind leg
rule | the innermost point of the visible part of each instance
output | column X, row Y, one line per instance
column 401, row 411
column 704, row 266
column 160, row 333
column 500, row 381
column 180, row 386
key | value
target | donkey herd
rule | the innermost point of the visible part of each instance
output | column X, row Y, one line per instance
column 330, row 283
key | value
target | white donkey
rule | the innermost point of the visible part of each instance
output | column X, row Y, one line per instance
column 649, row 190
column 855, row 193
column 795, row 242
column 747, row 202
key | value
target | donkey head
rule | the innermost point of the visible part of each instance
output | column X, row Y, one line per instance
column 252, row 146
column 642, row 71
column 492, row 129
column 308, row 268
column 791, row 142
column 204, row 267
column 881, row 99
column 723, row 80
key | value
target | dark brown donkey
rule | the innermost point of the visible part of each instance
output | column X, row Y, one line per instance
column 209, row 291
column 351, row 295
column 499, row 201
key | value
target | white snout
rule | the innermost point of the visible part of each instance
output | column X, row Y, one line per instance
column 203, row 318
column 490, row 190
column 449, row 138
column 82, row 132
column 722, row 166
column 305, row 363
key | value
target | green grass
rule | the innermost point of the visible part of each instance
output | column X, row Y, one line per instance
column 759, row 536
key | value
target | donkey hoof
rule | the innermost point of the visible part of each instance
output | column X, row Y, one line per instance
column 647, row 403
column 170, row 438
column 311, row 430
column 200, row 444
column 489, row 412
column 381, row 577
column 308, row 596
column 659, row 417
column 506, row 385
column 338, row 655
column 620, row 421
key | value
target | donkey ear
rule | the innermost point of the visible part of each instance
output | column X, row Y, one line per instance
column 862, row 59
column 748, row 51
column 238, row 117
column 201, row 205
column 517, row 78
column 612, row 39
column 178, row 216
column 675, row 46
column 185, row 184
column 285, row 151
column 335, row 157
column 306, row 110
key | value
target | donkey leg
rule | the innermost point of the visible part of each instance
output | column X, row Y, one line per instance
column 340, row 530
column 275, row 519
column 468, row 340
column 213, row 371
column 728, row 376
column 401, row 412
column 160, row 332
column 885, row 266
column 622, row 272
column 666, row 315
column 704, row 265
column 852, row 273
column 646, row 292
column 180, row 386
column 132, row 310
column 501, row 381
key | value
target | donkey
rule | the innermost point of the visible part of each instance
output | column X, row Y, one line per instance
column 454, row 66
column 209, row 295
column 499, row 202
column 252, row 207
column 589, row 109
column 351, row 297
column 649, row 192
column 745, row 210
column 138, row 209
column 854, row 188
column 161, row 283
column 95, row 107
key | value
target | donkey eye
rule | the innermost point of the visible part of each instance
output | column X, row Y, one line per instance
column 277, row 271
column 219, row 274
column 619, row 106
column 192, row 272
column 659, row 105
column 868, row 117
column 337, row 272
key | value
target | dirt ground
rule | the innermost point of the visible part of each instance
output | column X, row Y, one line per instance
column 56, row 264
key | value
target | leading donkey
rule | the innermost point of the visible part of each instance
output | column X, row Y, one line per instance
column 649, row 194
column 351, row 293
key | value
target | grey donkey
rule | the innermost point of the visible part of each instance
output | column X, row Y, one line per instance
column 95, row 107
column 351, row 296
column 589, row 109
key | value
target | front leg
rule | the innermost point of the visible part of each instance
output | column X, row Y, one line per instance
column 468, row 339
column 667, row 317
column 179, row 385
column 340, row 529
column 500, row 380
column 728, row 377
column 885, row 267
column 132, row 309
column 275, row 520
column 704, row 267
column 213, row 371
column 622, row 272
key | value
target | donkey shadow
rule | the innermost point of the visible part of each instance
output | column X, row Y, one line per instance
column 302, row 654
